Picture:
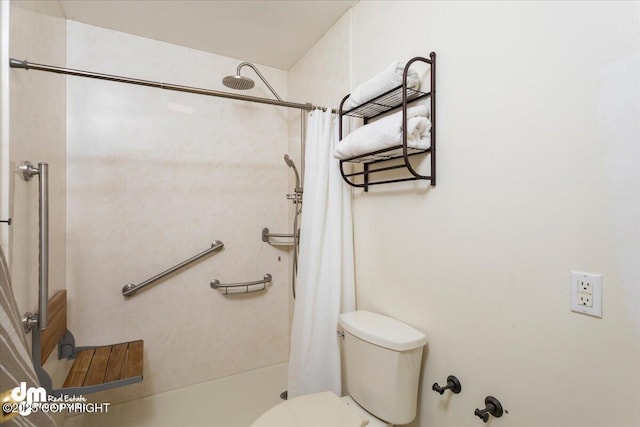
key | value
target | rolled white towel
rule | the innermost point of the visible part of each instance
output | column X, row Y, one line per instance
column 387, row 132
column 386, row 80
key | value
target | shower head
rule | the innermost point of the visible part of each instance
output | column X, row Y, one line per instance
column 292, row 165
column 288, row 161
column 239, row 82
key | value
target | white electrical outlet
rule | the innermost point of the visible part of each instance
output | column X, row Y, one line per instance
column 586, row 293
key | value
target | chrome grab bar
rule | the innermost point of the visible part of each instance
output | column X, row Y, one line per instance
column 266, row 237
column 131, row 289
column 29, row 171
column 235, row 287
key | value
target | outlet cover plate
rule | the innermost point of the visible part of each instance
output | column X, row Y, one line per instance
column 586, row 293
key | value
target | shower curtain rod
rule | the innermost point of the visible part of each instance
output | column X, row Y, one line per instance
column 16, row 63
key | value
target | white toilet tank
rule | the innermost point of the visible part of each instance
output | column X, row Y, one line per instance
column 382, row 359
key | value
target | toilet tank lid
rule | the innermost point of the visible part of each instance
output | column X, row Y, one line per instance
column 381, row 330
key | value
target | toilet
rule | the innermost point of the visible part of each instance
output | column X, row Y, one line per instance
column 382, row 358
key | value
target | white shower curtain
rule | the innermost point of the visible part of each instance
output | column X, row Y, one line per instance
column 325, row 285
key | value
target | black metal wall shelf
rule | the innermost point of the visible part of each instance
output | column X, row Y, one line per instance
column 383, row 103
column 393, row 99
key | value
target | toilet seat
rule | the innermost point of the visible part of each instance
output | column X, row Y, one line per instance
column 311, row 410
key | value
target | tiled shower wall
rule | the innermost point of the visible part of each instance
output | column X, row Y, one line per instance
column 153, row 178
column 36, row 132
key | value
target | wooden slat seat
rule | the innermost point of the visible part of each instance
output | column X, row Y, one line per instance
column 106, row 364
column 94, row 368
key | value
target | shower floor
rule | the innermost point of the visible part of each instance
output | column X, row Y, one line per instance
column 233, row 401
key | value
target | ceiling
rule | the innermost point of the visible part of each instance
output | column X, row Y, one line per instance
column 274, row 33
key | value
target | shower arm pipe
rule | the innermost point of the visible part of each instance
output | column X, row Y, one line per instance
column 253, row 67
column 16, row 63
column 131, row 289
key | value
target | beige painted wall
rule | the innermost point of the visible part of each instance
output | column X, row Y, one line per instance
column 537, row 176
column 153, row 178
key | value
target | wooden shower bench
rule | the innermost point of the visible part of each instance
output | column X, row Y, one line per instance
column 94, row 368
